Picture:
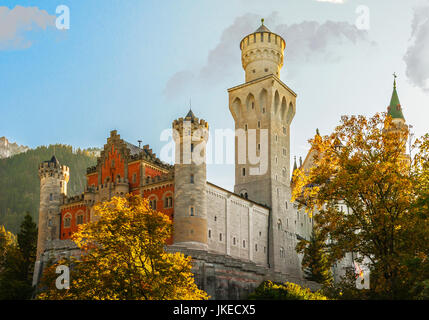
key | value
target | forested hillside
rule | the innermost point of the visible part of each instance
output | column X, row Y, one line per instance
column 19, row 181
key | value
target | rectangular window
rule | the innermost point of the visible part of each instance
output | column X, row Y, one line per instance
column 192, row 178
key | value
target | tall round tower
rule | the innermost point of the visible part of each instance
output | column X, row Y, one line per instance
column 190, row 205
column 53, row 184
column 262, row 53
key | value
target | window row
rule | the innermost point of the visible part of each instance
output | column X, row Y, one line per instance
column 68, row 219
column 168, row 202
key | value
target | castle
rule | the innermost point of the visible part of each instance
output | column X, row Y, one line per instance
column 236, row 239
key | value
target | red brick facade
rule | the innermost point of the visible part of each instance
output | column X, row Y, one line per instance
column 157, row 183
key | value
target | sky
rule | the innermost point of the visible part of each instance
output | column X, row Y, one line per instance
column 137, row 65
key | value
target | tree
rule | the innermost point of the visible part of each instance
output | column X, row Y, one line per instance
column 7, row 240
column 315, row 263
column 27, row 243
column 123, row 257
column 363, row 165
column 16, row 275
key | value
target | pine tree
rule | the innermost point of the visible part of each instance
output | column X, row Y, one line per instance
column 27, row 243
column 315, row 263
column 19, row 259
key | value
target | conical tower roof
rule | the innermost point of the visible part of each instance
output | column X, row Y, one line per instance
column 262, row 28
column 394, row 109
column 190, row 114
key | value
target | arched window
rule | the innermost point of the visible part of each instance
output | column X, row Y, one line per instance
column 79, row 218
column 244, row 243
column 168, row 200
column 152, row 203
column 191, row 210
column 210, row 233
column 192, row 178
column 67, row 220
column 244, row 172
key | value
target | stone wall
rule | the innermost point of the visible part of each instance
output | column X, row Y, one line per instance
column 227, row 278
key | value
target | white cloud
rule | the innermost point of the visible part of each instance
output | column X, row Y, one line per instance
column 306, row 42
column 14, row 23
column 416, row 57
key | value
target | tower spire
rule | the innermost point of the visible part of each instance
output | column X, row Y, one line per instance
column 394, row 109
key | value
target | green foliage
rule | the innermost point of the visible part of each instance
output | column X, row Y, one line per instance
column 315, row 263
column 20, row 185
column 17, row 267
column 268, row 290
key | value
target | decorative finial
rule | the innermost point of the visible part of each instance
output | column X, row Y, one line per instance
column 262, row 20
column 394, row 79
column 317, row 132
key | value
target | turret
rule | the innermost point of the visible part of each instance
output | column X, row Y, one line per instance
column 262, row 53
column 190, row 207
column 53, row 187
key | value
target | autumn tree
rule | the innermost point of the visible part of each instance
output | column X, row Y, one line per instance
column 17, row 272
column 7, row 241
column 363, row 165
column 123, row 257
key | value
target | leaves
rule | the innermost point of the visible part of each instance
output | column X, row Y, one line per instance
column 362, row 166
column 123, row 257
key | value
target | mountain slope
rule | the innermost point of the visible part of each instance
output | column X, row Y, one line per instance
column 19, row 181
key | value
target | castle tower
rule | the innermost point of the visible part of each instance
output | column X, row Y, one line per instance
column 53, row 185
column 263, row 108
column 190, row 207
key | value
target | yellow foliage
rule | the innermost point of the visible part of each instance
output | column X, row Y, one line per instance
column 123, row 257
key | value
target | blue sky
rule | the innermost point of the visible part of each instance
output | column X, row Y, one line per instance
column 133, row 66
